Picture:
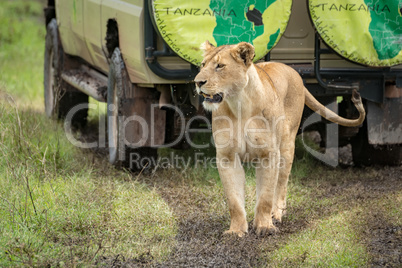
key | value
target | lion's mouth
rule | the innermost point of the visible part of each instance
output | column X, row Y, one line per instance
column 217, row 98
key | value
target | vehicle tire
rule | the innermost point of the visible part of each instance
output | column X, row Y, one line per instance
column 60, row 97
column 365, row 154
column 119, row 152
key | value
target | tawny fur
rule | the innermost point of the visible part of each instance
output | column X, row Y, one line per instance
column 258, row 119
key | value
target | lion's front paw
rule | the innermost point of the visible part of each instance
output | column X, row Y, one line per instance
column 263, row 230
column 239, row 233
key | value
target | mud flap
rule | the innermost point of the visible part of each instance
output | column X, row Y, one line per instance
column 144, row 121
column 384, row 122
column 379, row 141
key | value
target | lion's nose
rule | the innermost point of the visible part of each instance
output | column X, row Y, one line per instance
column 200, row 83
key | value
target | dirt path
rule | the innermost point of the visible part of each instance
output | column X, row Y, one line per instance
column 200, row 242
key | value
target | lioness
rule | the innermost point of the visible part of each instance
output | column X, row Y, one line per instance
column 256, row 112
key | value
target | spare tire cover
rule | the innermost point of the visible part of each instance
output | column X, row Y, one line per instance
column 368, row 32
column 185, row 24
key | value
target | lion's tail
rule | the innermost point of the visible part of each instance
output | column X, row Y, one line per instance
column 317, row 107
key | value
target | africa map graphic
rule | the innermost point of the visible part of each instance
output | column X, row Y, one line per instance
column 368, row 32
column 231, row 30
column 185, row 25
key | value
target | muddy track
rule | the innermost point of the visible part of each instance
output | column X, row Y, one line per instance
column 200, row 241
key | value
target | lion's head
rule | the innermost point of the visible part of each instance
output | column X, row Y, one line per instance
column 223, row 72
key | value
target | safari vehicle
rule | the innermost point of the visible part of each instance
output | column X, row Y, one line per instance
column 141, row 57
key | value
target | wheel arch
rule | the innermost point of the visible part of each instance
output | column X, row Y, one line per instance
column 50, row 11
column 112, row 36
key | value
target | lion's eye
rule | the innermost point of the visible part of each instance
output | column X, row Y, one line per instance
column 220, row 66
column 202, row 64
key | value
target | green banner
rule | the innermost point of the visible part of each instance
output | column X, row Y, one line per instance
column 185, row 24
column 368, row 32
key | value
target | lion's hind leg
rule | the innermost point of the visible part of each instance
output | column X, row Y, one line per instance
column 286, row 161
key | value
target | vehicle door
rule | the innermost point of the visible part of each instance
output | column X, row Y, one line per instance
column 71, row 27
column 92, row 32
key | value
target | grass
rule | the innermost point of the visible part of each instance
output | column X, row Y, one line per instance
column 59, row 205
column 62, row 206
column 54, row 197
column 337, row 225
column 22, row 50
column 328, row 243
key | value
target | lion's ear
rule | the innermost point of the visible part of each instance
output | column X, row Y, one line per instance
column 243, row 52
column 207, row 47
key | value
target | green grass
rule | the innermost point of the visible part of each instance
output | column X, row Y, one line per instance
column 53, row 197
column 337, row 226
column 327, row 243
column 60, row 205
column 22, row 49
